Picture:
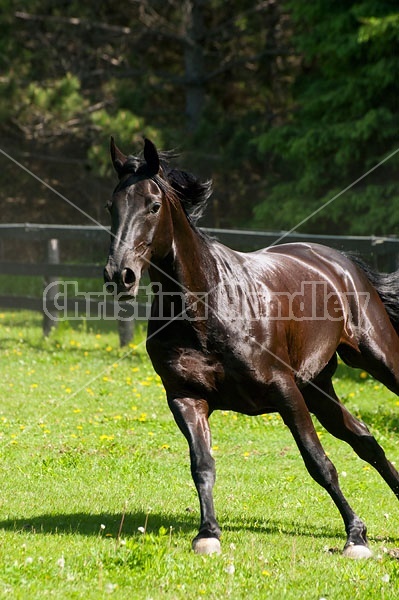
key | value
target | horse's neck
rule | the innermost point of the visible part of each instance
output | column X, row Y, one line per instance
column 189, row 266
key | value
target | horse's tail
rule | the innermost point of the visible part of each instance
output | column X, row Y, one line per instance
column 387, row 286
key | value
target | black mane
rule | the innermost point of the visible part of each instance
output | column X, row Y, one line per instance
column 192, row 193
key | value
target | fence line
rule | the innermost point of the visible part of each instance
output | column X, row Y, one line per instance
column 382, row 252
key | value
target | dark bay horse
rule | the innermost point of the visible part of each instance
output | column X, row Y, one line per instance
column 250, row 332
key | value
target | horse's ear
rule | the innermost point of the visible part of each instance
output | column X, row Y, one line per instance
column 151, row 157
column 118, row 158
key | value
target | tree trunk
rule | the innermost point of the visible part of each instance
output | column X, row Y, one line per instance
column 194, row 62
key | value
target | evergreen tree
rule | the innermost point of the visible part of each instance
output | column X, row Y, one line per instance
column 344, row 123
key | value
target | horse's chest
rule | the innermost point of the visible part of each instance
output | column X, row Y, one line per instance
column 196, row 369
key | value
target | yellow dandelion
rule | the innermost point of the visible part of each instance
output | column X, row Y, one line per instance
column 77, row 410
column 363, row 375
column 108, row 348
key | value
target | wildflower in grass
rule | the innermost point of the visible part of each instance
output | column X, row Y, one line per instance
column 143, row 417
column 108, row 349
column 165, row 446
column 61, row 562
column 68, row 390
column 363, row 375
column 77, row 410
column 141, row 529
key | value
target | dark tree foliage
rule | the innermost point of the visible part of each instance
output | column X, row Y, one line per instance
column 345, row 122
column 283, row 104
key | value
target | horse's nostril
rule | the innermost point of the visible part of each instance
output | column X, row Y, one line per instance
column 110, row 288
column 128, row 277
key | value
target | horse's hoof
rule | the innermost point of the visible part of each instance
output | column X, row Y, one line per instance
column 206, row 546
column 357, row 551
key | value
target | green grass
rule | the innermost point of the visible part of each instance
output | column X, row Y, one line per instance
column 90, row 454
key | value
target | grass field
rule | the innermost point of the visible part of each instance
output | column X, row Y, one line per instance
column 97, row 498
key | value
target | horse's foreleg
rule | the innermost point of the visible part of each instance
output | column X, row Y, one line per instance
column 296, row 416
column 192, row 418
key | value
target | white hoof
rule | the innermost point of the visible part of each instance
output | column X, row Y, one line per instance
column 356, row 551
column 207, row 546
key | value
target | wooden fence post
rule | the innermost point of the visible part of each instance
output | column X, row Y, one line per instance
column 50, row 315
column 126, row 331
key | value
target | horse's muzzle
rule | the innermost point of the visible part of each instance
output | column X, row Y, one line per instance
column 123, row 282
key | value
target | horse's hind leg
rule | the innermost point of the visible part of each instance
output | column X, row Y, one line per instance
column 323, row 402
column 296, row 416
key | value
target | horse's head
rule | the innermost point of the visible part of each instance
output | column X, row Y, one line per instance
column 140, row 227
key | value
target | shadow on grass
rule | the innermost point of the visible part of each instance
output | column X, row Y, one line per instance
column 91, row 525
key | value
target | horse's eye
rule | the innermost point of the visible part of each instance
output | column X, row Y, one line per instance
column 155, row 208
